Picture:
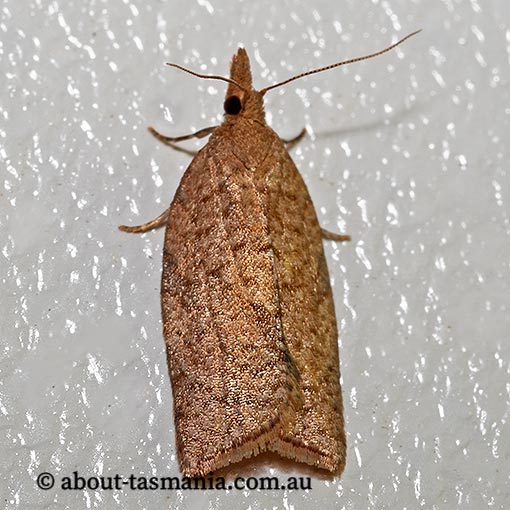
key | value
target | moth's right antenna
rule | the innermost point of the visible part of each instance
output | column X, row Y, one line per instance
column 338, row 64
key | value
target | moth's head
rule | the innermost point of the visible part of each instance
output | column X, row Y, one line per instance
column 242, row 100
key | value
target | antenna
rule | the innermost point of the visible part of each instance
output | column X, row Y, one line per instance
column 207, row 76
column 338, row 64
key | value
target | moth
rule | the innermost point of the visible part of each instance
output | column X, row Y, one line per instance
column 248, row 314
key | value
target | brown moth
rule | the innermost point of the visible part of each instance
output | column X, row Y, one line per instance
column 248, row 314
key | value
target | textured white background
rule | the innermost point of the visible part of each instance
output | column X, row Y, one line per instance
column 408, row 153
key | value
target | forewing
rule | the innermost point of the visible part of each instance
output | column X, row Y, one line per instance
column 317, row 435
column 232, row 377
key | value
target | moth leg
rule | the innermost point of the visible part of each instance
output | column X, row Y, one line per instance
column 201, row 133
column 332, row 236
column 296, row 139
column 150, row 225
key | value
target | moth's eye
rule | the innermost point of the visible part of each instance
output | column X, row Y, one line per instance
column 232, row 105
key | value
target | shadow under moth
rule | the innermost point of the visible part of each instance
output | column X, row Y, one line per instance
column 248, row 314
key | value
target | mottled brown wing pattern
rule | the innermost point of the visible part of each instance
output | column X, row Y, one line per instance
column 232, row 377
column 317, row 436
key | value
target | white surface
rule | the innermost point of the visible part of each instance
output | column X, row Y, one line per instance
column 409, row 154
